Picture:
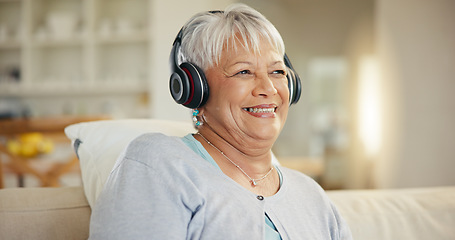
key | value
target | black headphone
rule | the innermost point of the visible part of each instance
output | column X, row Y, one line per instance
column 189, row 87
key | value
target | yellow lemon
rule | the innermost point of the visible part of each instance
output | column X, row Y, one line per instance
column 32, row 137
column 28, row 149
column 46, row 146
column 13, row 146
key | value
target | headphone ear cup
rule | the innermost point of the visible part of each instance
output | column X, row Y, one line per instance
column 294, row 84
column 179, row 86
column 198, row 88
column 291, row 84
column 297, row 89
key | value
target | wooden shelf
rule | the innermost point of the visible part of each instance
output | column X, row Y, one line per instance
column 81, row 90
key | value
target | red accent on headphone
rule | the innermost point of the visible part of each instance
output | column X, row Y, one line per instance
column 190, row 98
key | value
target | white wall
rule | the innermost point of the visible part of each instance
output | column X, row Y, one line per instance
column 416, row 47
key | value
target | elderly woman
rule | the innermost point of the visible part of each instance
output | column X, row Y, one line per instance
column 219, row 183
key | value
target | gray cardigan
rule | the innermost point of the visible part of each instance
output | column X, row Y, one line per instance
column 161, row 189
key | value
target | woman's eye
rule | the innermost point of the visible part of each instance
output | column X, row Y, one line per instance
column 243, row 72
column 281, row 72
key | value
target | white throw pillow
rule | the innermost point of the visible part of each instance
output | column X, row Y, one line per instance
column 99, row 143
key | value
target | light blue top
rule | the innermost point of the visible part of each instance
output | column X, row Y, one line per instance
column 161, row 189
column 270, row 230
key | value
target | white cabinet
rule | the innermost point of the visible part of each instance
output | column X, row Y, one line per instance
column 10, row 42
column 60, row 53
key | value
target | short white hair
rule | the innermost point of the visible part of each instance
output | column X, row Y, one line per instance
column 206, row 34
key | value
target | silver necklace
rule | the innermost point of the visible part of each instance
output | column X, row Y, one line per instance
column 253, row 181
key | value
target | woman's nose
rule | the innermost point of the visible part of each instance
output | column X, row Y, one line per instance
column 264, row 86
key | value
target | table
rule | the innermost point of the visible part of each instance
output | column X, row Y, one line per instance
column 47, row 126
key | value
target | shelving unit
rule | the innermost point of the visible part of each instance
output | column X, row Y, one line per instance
column 74, row 49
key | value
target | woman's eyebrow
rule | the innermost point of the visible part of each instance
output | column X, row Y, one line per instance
column 239, row 63
column 242, row 62
column 276, row 62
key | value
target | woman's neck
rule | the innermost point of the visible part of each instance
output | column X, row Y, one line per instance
column 253, row 171
column 249, row 153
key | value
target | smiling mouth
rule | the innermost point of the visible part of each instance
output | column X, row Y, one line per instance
column 260, row 110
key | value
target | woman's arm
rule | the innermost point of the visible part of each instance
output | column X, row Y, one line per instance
column 140, row 202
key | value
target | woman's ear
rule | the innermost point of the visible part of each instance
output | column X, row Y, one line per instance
column 201, row 111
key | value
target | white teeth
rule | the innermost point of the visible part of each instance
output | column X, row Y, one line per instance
column 260, row 110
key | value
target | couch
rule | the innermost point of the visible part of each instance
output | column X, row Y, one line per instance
column 64, row 212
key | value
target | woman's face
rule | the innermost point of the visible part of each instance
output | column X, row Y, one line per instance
column 249, row 96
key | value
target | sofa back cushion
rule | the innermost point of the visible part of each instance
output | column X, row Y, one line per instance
column 44, row 213
column 420, row 213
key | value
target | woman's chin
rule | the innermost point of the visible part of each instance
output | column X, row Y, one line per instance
column 264, row 132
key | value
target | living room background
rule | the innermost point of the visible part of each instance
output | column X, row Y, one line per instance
column 376, row 109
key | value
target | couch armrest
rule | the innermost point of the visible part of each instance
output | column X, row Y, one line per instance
column 44, row 213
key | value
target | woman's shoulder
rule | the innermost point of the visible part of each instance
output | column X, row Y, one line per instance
column 148, row 145
column 152, row 141
column 297, row 180
column 154, row 138
column 166, row 156
column 296, row 175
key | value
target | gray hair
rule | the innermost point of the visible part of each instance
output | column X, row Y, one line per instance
column 205, row 34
